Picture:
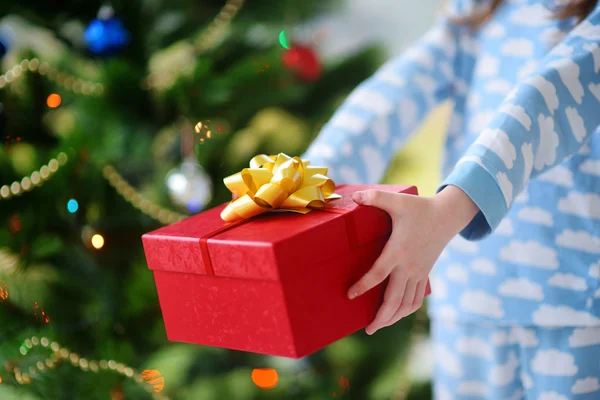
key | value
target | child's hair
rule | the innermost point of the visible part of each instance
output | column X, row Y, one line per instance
column 572, row 8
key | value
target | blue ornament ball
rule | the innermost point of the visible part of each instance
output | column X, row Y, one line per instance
column 106, row 36
column 3, row 47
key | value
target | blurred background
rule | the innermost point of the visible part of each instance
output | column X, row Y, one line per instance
column 119, row 118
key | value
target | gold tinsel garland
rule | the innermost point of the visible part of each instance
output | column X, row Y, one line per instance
column 61, row 354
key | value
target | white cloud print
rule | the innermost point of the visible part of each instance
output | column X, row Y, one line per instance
column 374, row 102
column 457, row 273
column 387, row 75
column 483, row 266
column 595, row 270
column 524, row 337
column 551, row 316
column 487, row 65
column 554, row 363
column 349, row 122
column 463, row 245
column 530, row 253
column 505, row 186
column 506, row 227
column 349, row 174
column 594, row 49
column 521, row 288
column 546, row 89
column 591, row 167
column 579, row 240
column 595, row 90
column 518, row 113
column 475, row 347
column 381, row 131
column 562, row 50
column 583, row 337
column 407, row 109
column 527, row 69
column 373, row 157
column 535, row 215
column 551, row 35
column 473, row 389
column 587, row 385
column 494, row 30
column 498, row 141
column 531, row 15
column 587, row 31
column 586, row 205
column 552, row 396
column 480, row 120
column 568, row 281
column 559, row 175
column 481, row 303
column 517, row 47
column 576, row 123
column 449, row 361
column 546, row 152
column 499, row 86
column 503, row 374
column 569, row 74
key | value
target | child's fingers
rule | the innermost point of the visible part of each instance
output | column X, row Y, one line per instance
column 391, row 301
column 377, row 274
column 419, row 296
column 406, row 303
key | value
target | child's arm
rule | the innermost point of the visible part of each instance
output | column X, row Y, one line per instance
column 545, row 120
column 380, row 114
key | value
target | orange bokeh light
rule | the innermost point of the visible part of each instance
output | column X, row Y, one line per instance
column 53, row 100
column 154, row 378
column 3, row 291
column 265, row 378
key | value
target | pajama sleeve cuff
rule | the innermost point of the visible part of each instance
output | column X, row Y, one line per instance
column 485, row 192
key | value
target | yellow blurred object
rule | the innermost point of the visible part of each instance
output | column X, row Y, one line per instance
column 61, row 121
column 419, row 162
column 23, row 158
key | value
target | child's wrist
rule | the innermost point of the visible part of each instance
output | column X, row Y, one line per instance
column 455, row 208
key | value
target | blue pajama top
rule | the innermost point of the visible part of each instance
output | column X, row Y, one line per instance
column 523, row 142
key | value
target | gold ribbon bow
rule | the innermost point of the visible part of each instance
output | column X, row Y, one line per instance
column 277, row 183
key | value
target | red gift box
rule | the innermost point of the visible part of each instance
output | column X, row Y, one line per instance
column 275, row 284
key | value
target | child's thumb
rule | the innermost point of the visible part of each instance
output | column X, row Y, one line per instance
column 377, row 198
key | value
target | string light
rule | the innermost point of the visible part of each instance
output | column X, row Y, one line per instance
column 136, row 199
column 61, row 354
column 72, row 206
column 36, row 179
column 207, row 39
column 54, row 100
column 97, row 241
column 66, row 81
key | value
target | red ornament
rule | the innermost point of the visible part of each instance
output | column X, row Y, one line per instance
column 303, row 62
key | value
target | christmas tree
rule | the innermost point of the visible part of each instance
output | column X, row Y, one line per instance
column 117, row 120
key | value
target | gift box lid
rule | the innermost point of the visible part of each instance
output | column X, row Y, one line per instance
column 268, row 246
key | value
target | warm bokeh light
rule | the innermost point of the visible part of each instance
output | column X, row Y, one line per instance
column 97, row 241
column 153, row 377
column 198, row 127
column 53, row 100
column 3, row 291
column 265, row 378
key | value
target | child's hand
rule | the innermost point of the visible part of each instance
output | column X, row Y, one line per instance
column 422, row 227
